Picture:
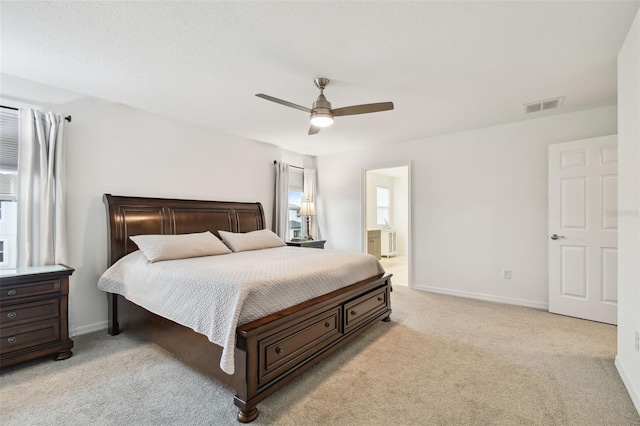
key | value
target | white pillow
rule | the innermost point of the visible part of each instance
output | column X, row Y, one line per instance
column 181, row 246
column 254, row 240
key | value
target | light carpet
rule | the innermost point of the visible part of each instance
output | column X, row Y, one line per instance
column 441, row 361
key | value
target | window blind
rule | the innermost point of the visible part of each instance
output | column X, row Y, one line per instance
column 8, row 155
column 8, row 140
column 296, row 180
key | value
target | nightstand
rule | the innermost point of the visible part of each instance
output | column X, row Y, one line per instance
column 308, row 244
column 34, row 313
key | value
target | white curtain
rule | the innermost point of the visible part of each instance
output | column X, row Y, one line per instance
column 42, row 231
column 281, row 204
column 311, row 193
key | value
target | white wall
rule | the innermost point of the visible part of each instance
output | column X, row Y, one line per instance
column 298, row 160
column 628, row 357
column 400, row 213
column 115, row 149
column 479, row 203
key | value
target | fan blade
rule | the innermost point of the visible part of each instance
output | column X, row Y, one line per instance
column 314, row 129
column 281, row 102
column 362, row 109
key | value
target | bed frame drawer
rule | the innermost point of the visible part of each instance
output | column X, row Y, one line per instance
column 279, row 351
column 364, row 307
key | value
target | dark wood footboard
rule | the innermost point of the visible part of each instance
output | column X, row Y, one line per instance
column 280, row 347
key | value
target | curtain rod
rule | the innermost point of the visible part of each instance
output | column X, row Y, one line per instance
column 68, row 117
column 295, row 167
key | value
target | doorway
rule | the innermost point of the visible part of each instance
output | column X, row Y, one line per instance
column 387, row 219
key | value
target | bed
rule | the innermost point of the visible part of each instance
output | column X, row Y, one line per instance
column 269, row 351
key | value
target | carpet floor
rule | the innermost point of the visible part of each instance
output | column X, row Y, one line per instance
column 441, row 361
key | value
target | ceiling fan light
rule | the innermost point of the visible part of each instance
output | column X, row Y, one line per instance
column 321, row 120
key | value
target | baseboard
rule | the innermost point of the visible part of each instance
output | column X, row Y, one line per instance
column 486, row 297
column 633, row 392
column 90, row 328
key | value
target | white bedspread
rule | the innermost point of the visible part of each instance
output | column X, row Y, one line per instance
column 213, row 294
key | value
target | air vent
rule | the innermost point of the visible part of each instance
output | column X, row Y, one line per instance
column 533, row 107
column 543, row 105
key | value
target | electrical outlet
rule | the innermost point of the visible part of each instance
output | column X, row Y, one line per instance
column 637, row 344
column 506, row 274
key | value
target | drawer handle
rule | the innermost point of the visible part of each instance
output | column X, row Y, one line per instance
column 279, row 350
column 11, row 292
column 354, row 313
column 379, row 298
column 12, row 340
column 12, row 315
column 327, row 324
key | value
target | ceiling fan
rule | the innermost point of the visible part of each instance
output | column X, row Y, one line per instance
column 322, row 114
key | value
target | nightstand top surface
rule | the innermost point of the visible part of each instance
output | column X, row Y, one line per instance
column 31, row 270
column 307, row 243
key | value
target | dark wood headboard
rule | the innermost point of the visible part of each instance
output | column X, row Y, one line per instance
column 127, row 216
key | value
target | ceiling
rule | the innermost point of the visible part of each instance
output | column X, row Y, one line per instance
column 447, row 66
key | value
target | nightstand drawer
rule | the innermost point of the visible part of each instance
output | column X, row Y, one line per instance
column 29, row 312
column 12, row 292
column 26, row 336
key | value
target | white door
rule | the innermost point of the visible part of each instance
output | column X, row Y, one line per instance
column 583, row 228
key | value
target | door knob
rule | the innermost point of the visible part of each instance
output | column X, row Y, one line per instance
column 556, row 236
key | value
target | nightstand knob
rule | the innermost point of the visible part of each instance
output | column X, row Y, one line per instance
column 279, row 350
column 11, row 315
column 12, row 340
column 11, row 292
column 354, row 313
column 327, row 324
column 379, row 298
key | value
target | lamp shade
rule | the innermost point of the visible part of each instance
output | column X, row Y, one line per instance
column 307, row 208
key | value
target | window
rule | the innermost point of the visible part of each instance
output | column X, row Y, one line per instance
column 383, row 201
column 8, row 187
column 296, row 194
